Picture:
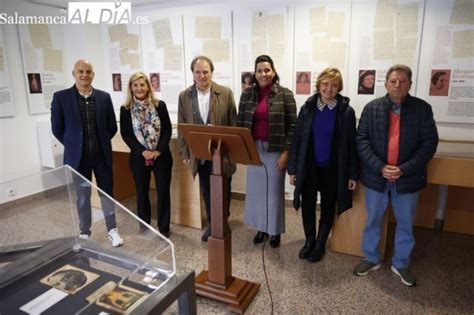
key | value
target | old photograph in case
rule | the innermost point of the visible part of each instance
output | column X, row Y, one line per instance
column 69, row 279
column 122, row 299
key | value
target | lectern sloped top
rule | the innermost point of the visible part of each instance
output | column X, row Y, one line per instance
column 237, row 141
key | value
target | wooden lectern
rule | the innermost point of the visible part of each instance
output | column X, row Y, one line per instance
column 214, row 143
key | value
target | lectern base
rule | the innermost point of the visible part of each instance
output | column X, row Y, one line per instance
column 238, row 295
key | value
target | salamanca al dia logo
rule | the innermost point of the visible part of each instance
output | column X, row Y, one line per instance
column 99, row 12
column 117, row 12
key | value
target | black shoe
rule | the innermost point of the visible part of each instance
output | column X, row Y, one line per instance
column 166, row 234
column 308, row 247
column 259, row 238
column 318, row 252
column 206, row 234
column 275, row 241
column 320, row 248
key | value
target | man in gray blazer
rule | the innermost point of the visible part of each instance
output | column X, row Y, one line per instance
column 207, row 103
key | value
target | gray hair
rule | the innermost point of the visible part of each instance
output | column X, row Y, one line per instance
column 401, row 68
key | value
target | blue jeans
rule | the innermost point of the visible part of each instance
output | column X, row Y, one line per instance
column 104, row 178
column 404, row 207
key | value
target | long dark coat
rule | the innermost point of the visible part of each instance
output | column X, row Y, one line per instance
column 343, row 156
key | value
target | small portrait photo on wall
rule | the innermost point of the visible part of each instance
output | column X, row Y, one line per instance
column 117, row 82
column 366, row 82
column 246, row 80
column 155, row 82
column 439, row 82
column 34, row 83
column 303, row 82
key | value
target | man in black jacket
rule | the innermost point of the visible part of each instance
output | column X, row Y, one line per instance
column 396, row 138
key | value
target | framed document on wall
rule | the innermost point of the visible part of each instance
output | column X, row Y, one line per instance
column 42, row 53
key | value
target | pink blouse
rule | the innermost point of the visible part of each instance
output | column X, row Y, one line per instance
column 260, row 117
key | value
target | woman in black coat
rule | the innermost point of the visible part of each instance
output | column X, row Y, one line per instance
column 323, row 158
column 146, row 128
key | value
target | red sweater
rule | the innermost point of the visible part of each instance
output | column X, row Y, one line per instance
column 393, row 139
column 260, row 117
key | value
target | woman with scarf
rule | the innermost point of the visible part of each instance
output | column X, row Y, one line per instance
column 145, row 127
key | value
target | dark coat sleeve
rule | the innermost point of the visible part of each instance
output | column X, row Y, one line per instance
column 183, row 107
column 353, row 157
column 294, row 156
column 368, row 157
column 290, row 118
column 166, row 128
column 111, row 121
column 428, row 142
column 295, row 142
column 240, row 115
column 67, row 128
column 57, row 118
column 232, row 114
column 348, row 161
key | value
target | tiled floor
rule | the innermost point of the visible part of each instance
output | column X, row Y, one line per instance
column 442, row 262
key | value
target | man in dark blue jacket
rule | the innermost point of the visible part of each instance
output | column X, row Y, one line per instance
column 396, row 138
column 83, row 120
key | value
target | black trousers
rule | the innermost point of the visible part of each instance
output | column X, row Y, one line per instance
column 161, row 169
column 204, row 171
column 322, row 179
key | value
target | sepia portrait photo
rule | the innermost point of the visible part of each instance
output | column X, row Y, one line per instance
column 155, row 82
column 69, row 279
column 121, row 299
column 439, row 82
column 246, row 78
column 366, row 82
column 117, row 82
column 34, row 83
column 303, row 82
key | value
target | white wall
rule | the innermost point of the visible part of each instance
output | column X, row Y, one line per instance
column 18, row 137
column 19, row 155
column 19, row 149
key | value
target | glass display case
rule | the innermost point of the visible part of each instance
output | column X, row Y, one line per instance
column 50, row 264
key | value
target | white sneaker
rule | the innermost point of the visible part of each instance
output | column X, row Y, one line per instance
column 84, row 236
column 115, row 238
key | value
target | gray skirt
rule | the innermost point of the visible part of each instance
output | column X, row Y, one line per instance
column 256, row 214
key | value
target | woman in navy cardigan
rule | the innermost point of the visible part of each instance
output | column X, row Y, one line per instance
column 323, row 158
column 145, row 127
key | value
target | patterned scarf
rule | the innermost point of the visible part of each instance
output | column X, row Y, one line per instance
column 146, row 124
